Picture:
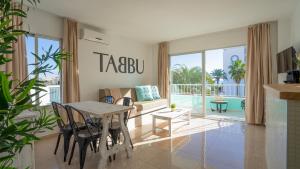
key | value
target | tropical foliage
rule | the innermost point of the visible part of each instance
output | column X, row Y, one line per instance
column 219, row 74
column 16, row 96
column 237, row 73
column 181, row 74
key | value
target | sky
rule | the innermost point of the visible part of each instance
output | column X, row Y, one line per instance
column 214, row 60
column 43, row 45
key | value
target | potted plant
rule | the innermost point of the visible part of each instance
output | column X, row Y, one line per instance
column 173, row 107
column 237, row 72
column 19, row 95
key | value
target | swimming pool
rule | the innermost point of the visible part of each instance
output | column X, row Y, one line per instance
column 195, row 102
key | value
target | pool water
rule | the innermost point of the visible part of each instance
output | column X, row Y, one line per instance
column 195, row 102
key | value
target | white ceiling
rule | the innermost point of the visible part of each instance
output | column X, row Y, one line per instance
column 153, row 21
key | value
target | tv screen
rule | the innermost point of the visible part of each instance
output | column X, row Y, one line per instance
column 286, row 60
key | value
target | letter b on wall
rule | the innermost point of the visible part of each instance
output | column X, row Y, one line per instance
column 131, row 65
column 122, row 65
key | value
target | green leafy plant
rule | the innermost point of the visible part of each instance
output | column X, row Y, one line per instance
column 173, row 106
column 16, row 96
column 237, row 72
column 181, row 74
column 219, row 74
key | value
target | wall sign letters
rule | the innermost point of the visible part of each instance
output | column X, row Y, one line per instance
column 120, row 65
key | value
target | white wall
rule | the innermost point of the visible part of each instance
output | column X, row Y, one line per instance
column 91, row 79
column 216, row 40
column 44, row 23
column 296, row 28
column 284, row 33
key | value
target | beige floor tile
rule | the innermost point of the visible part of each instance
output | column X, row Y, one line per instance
column 205, row 144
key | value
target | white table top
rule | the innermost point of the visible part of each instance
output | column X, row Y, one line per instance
column 167, row 113
column 99, row 108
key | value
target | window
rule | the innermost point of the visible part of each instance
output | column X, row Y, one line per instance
column 38, row 45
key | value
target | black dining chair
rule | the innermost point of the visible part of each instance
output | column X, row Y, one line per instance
column 64, row 127
column 115, row 127
column 84, row 137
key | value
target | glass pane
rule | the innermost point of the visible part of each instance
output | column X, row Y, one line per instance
column 186, row 81
column 52, row 79
column 224, row 92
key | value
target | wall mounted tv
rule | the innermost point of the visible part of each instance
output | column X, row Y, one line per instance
column 286, row 60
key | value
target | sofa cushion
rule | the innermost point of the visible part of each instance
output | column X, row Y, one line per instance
column 148, row 105
column 155, row 92
column 144, row 93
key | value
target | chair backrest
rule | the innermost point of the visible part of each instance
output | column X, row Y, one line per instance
column 126, row 101
column 108, row 99
column 72, row 113
column 60, row 112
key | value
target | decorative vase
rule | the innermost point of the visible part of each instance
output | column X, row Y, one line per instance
column 173, row 109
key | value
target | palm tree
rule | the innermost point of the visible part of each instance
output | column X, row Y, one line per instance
column 219, row 74
column 181, row 74
column 237, row 73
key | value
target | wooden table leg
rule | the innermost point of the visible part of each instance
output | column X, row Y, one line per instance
column 170, row 127
column 126, row 136
column 189, row 117
column 103, row 151
column 154, row 124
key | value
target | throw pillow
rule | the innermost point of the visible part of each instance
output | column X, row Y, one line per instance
column 155, row 92
column 144, row 93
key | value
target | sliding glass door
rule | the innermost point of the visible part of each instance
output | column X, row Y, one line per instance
column 186, row 83
column 210, row 82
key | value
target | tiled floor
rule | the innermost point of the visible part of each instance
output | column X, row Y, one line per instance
column 205, row 144
column 229, row 115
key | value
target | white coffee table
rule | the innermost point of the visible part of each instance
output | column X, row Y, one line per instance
column 167, row 114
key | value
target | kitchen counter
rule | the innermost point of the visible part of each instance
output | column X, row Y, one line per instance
column 282, row 110
column 285, row 91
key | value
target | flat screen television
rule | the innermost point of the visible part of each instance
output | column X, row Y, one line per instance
column 286, row 60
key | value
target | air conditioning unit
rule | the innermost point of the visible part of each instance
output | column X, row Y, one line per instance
column 93, row 36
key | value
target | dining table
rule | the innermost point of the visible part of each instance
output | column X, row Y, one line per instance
column 105, row 111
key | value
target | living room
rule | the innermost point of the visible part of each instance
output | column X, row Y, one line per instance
column 124, row 57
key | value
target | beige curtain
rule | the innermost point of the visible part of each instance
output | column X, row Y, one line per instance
column 70, row 74
column 18, row 65
column 259, row 71
column 163, row 69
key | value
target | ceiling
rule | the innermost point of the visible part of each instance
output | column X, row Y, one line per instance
column 153, row 21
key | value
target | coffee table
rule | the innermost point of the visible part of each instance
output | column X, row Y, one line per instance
column 167, row 114
column 219, row 104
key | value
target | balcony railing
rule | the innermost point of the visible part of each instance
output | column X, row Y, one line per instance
column 227, row 90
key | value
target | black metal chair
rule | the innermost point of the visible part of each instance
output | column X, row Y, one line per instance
column 115, row 127
column 89, row 135
column 64, row 127
column 243, row 104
